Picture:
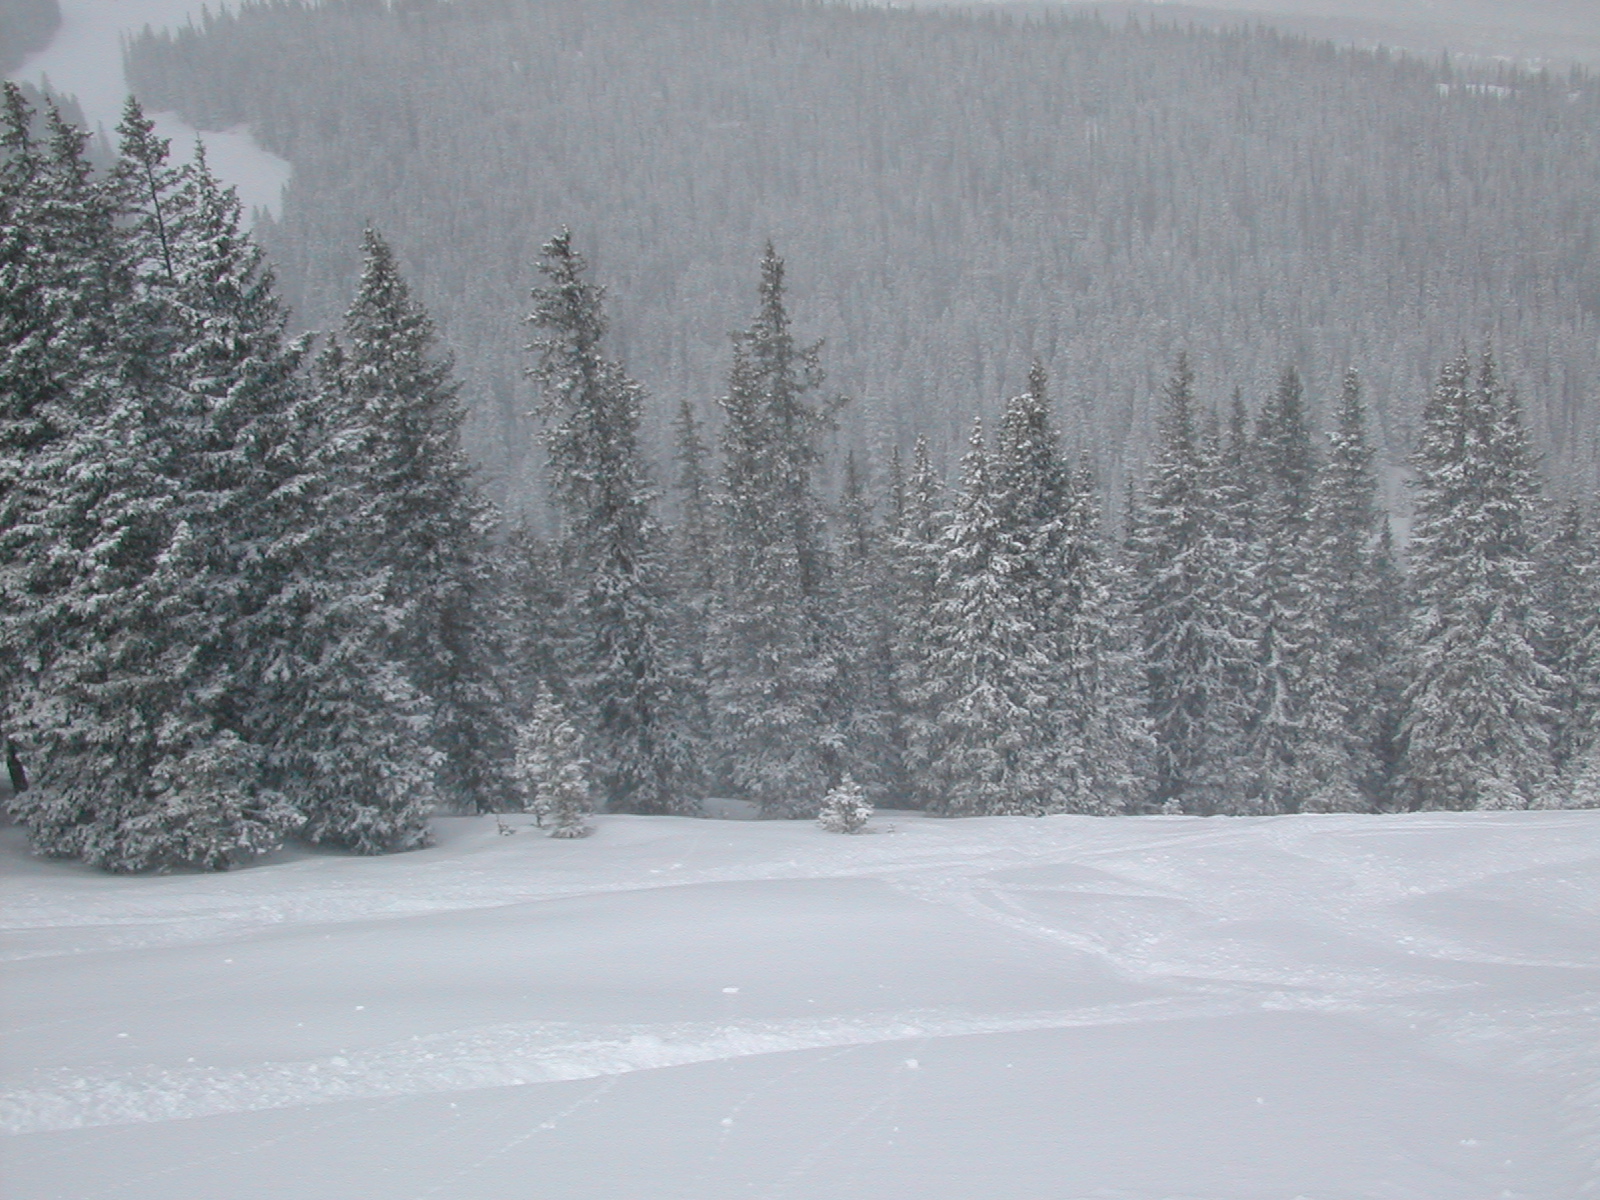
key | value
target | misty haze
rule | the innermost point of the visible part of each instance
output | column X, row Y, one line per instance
column 691, row 599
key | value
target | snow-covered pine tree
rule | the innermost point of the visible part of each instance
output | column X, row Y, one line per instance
column 426, row 526
column 845, row 809
column 916, row 549
column 1278, row 778
column 620, row 664
column 694, row 549
column 1107, row 740
column 349, row 730
column 534, row 605
column 868, row 741
column 63, row 281
column 1569, row 648
column 987, row 690
column 1197, row 645
column 144, row 762
column 552, row 775
column 1062, row 591
column 1476, row 724
column 774, row 650
column 1354, row 592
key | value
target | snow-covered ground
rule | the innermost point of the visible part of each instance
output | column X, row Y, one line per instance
column 1325, row 1008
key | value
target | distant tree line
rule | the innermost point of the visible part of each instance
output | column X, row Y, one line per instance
column 250, row 592
column 959, row 191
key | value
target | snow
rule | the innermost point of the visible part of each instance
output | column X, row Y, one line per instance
column 1068, row 1008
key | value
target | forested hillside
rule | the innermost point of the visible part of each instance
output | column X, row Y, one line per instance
column 956, row 195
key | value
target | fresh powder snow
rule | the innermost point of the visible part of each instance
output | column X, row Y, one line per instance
column 1338, row 1007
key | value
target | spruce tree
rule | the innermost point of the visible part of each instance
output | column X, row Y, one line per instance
column 866, row 661
column 845, row 809
column 1476, row 724
column 349, row 731
column 1063, row 591
column 1569, row 649
column 620, row 663
column 777, row 707
column 1353, row 591
column 916, row 550
column 695, row 550
column 1196, row 644
column 551, row 772
column 424, row 525
column 137, row 709
column 1278, row 777
column 986, row 746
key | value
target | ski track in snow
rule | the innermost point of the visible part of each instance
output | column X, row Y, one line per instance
column 501, row 1056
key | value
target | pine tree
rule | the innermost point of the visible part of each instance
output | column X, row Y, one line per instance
column 1197, row 647
column 1062, row 589
column 349, row 731
column 774, row 651
column 149, row 761
column 915, row 553
column 1107, row 744
column 1352, row 588
column 64, row 282
column 866, row 661
column 988, row 688
column 1476, row 708
column 425, row 525
column 845, row 809
column 1279, row 778
column 694, row 550
column 620, row 663
column 1569, row 650
column 551, row 772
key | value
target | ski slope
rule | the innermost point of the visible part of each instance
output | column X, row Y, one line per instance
column 1162, row 1008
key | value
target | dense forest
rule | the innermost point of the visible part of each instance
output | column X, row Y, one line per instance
column 959, row 194
column 249, row 589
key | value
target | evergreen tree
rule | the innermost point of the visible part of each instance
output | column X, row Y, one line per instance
column 1476, row 708
column 866, row 660
column 915, row 553
column 1278, row 777
column 1062, row 589
column 1569, row 649
column 695, row 550
column 423, row 523
column 620, row 664
column 349, row 730
column 988, row 688
column 64, row 282
column 1196, row 644
column 137, row 710
column 774, row 653
column 1107, row 744
column 551, row 772
column 1353, row 589
column 845, row 809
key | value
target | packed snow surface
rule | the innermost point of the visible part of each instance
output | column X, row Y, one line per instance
column 1164, row 1008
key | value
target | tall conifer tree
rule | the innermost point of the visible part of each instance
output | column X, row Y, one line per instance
column 774, row 657
column 620, row 663
column 1477, row 710
column 1354, row 593
column 424, row 524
